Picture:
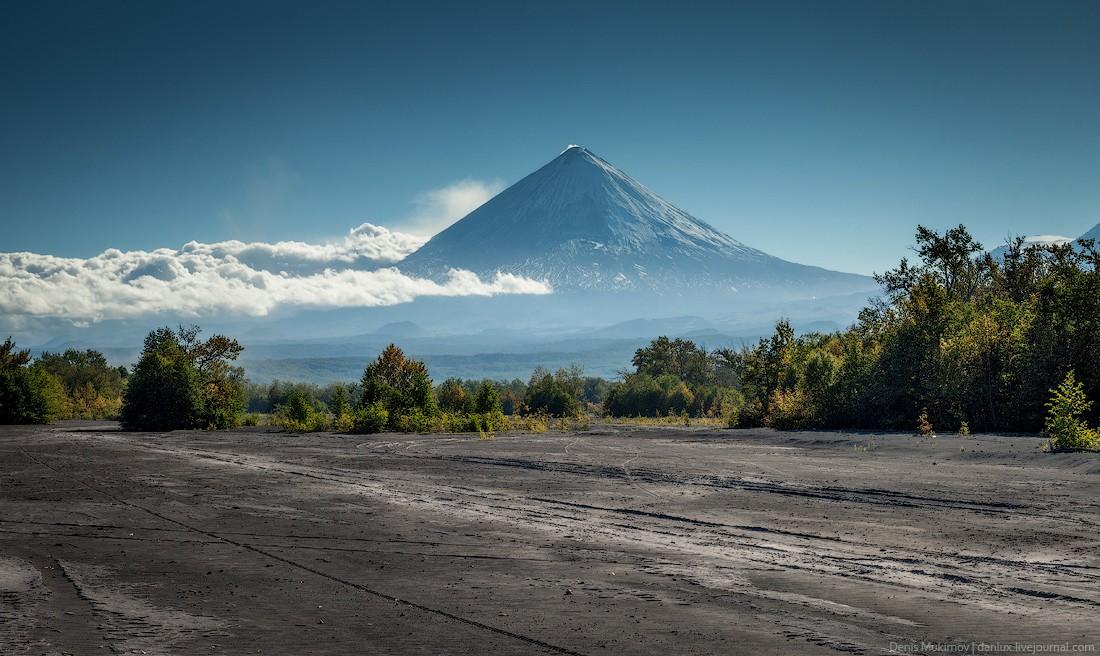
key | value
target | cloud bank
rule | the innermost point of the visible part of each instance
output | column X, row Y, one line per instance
column 249, row 279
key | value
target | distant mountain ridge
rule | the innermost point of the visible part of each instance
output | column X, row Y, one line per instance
column 582, row 224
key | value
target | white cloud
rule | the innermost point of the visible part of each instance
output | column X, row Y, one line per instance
column 1047, row 239
column 366, row 247
column 439, row 208
column 234, row 277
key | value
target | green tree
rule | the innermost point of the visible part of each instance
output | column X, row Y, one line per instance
column 224, row 396
column 554, row 394
column 674, row 357
column 163, row 391
column 340, row 402
column 401, row 385
column 1064, row 409
column 29, row 394
column 638, row 395
column 11, row 357
column 299, row 406
column 180, row 382
column 488, row 398
column 453, row 397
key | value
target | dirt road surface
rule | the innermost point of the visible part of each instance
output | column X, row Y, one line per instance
column 615, row 540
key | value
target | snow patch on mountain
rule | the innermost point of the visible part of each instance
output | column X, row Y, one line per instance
column 1049, row 240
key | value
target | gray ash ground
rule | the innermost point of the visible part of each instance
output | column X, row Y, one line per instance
column 614, row 540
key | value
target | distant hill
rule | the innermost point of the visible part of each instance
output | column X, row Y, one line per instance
column 399, row 330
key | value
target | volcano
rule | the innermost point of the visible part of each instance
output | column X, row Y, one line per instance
column 580, row 223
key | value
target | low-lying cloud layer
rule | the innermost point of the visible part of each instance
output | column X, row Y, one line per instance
column 251, row 279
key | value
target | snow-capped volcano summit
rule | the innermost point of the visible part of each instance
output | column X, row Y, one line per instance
column 581, row 223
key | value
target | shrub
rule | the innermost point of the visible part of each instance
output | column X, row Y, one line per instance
column 751, row 415
column 224, row 399
column 413, row 421
column 924, row 426
column 511, row 402
column 344, row 423
column 300, row 415
column 491, row 421
column 791, row 410
column 298, row 407
column 731, row 416
column 679, row 399
column 728, row 403
column 643, row 395
column 464, row 422
column 316, row 422
column 85, row 402
column 1064, row 425
column 531, row 423
column 373, row 418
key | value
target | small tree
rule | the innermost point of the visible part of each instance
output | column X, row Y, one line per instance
column 453, row 396
column 163, row 391
column 1064, row 409
column 488, row 399
column 340, row 403
column 399, row 384
column 299, row 406
column 924, row 426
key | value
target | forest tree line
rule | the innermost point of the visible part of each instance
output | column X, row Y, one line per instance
column 965, row 339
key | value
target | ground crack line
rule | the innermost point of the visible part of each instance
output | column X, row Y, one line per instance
column 362, row 588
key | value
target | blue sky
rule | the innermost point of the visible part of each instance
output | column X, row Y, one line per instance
column 819, row 132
